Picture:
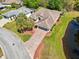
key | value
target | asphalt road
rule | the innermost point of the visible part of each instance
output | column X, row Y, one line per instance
column 13, row 48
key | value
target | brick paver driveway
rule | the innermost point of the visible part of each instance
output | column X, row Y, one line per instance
column 33, row 43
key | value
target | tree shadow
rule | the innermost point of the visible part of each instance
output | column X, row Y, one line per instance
column 71, row 50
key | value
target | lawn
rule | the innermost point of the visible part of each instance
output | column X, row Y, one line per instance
column 1, row 54
column 53, row 45
column 12, row 26
column 0, row 17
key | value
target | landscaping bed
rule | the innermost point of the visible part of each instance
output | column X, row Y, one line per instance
column 53, row 45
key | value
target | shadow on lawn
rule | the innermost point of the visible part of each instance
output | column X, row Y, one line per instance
column 71, row 50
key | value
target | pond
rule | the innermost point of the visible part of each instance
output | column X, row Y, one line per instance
column 70, row 46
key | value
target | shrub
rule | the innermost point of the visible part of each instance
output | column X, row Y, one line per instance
column 14, row 5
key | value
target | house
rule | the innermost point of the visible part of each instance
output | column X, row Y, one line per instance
column 26, row 11
column 11, row 1
column 11, row 15
column 45, row 18
column 2, row 6
column 14, row 13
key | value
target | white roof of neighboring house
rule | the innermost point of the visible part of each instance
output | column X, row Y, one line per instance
column 2, row 5
column 24, row 10
column 11, row 13
column 12, row 1
column 17, row 12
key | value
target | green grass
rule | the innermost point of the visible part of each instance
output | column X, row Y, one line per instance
column 1, row 54
column 53, row 45
column 12, row 26
column 0, row 17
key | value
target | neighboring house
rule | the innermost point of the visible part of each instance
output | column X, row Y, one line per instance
column 14, row 13
column 26, row 11
column 45, row 18
column 11, row 15
column 12, row 1
column 2, row 6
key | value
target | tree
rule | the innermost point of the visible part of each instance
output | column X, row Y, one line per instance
column 43, row 3
column 35, row 3
column 76, row 5
column 69, row 4
column 31, row 3
column 23, row 23
column 14, row 5
column 56, row 4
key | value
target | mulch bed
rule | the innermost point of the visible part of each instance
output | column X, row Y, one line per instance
column 39, row 51
column 48, row 34
column 30, row 32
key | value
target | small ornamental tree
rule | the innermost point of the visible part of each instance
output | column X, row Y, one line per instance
column 23, row 23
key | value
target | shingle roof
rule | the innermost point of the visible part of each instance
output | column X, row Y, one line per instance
column 42, row 24
column 49, row 17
